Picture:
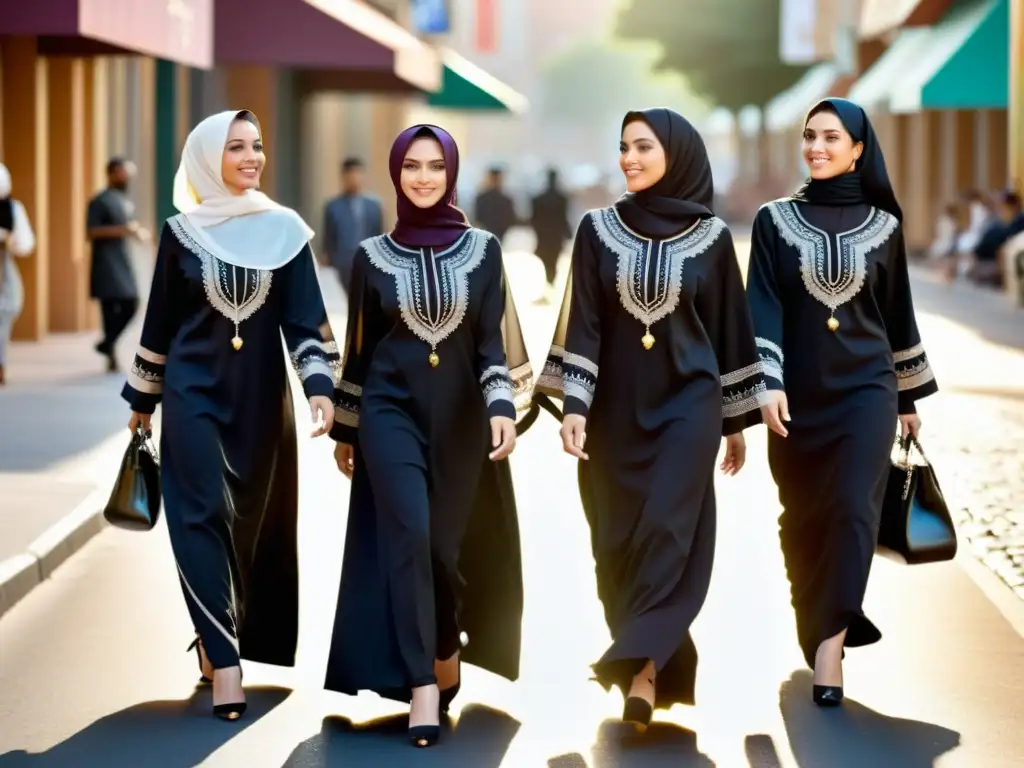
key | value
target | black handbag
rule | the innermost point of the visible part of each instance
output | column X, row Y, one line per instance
column 916, row 525
column 135, row 500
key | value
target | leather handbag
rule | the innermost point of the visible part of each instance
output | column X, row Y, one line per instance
column 135, row 500
column 915, row 525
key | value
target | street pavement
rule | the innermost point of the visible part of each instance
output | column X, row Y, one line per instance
column 93, row 670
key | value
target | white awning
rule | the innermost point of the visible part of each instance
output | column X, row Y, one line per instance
column 790, row 107
column 874, row 86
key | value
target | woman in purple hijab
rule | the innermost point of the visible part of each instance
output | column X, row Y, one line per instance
column 435, row 374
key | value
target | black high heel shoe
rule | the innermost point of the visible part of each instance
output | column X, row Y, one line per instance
column 197, row 645
column 637, row 712
column 448, row 694
column 423, row 736
column 828, row 695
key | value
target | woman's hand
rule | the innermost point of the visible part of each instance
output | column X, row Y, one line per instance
column 345, row 458
column 735, row 454
column 321, row 409
column 775, row 410
column 574, row 435
column 503, row 437
column 910, row 424
column 140, row 419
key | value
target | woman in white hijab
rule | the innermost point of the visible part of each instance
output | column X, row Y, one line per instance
column 234, row 270
column 16, row 239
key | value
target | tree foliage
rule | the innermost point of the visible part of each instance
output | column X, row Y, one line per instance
column 596, row 82
column 728, row 49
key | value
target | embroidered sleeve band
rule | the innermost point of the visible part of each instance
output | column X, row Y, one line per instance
column 147, row 372
column 742, row 390
column 579, row 378
column 550, row 380
column 313, row 357
column 346, row 404
column 522, row 386
column 772, row 358
column 496, row 384
column 912, row 368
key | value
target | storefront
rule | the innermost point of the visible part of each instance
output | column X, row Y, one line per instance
column 67, row 89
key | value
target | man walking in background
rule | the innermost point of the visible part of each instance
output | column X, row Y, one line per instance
column 494, row 210
column 110, row 222
column 349, row 218
column 550, row 220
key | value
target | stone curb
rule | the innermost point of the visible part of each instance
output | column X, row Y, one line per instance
column 22, row 573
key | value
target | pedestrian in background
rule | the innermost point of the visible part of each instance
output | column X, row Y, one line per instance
column 349, row 218
column 434, row 374
column 16, row 240
column 655, row 362
column 830, row 296
column 494, row 210
column 234, row 270
column 110, row 226
column 550, row 221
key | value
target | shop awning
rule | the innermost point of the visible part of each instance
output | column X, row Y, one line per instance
column 965, row 64
column 874, row 86
column 790, row 107
column 334, row 44
column 464, row 86
column 176, row 30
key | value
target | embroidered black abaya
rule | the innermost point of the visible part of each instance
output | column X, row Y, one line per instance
column 228, row 447
column 835, row 252
column 432, row 547
column 658, row 263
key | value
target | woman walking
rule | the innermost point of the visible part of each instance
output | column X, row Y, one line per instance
column 233, row 271
column 434, row 375
column 655, row 306
column 830, row 297
column 16, row 240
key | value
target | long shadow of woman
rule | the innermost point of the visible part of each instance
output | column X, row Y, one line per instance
column 155, row 734
column 853, row 736
column 617, row 746
column 478, row 739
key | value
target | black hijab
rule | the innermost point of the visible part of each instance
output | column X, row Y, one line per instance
column 869, row 182
column 685, row 193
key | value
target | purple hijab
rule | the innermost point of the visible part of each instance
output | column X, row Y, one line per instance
column 442, row 223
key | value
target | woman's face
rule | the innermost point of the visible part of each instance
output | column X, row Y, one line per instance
column 424, row 177
column 641, row 156
column 243, row 158
column 829, row 150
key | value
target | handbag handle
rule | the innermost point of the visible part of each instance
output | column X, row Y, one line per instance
column 145, row 440
column 906, row 443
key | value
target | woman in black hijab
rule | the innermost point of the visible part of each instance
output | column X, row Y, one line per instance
column 655, row 304
column 830, row 296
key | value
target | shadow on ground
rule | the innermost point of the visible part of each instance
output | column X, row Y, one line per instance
column 618, row 746
column 853, row 736
column 156, row 734
column 478, row 739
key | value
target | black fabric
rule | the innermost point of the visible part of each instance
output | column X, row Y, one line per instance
column 870, row 175
column 6, row 214
column 685, row 193
column 116, row 315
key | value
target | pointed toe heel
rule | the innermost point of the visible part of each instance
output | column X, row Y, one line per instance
column 637, row 713
column 828, row 695
column 423, row 736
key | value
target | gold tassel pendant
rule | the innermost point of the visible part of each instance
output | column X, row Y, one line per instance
column 647, row 340
column 236, row 342
column 833, row 324
column 433, row 359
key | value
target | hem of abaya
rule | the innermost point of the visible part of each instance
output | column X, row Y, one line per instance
column 619, row 673
column 860, row 631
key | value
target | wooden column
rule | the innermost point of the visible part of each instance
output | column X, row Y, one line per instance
column 255, row 88
column 68, row 278
column 25, row 136
column 965, row 146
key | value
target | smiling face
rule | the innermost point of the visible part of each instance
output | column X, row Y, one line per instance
column 424, row 178
column 641, row 156
column 243, row 159
column 828, row 148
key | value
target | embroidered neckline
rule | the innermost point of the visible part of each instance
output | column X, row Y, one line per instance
column 815, row 248
column 451, row 300
column 255, row 283
column 637, row 255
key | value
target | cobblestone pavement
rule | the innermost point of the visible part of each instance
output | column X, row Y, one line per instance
column 974, row 427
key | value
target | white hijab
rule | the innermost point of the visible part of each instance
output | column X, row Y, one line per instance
column 248, row 230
